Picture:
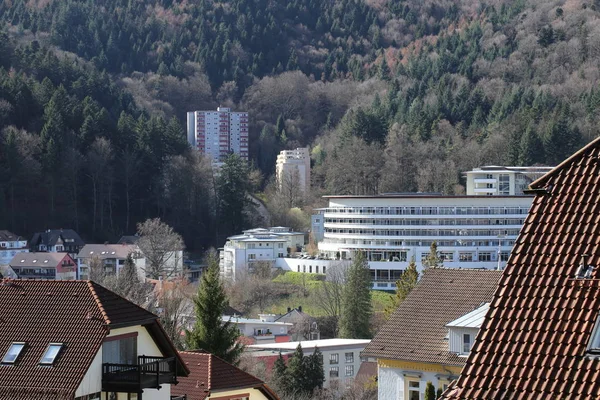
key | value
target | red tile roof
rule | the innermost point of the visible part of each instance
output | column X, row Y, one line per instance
column 210, row 374
column 416, row 331
column 534, row 339
column 78, row 314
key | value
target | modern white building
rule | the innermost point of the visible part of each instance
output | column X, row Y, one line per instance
column 218, row 133
column 341, row 357
column 470, row 231
column 10, row 245
column 254, row 245
column 502, row 181
column 262, row 330
column 293, row 169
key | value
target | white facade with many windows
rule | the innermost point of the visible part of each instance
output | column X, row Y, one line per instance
column 470, row 231
column 502, row 181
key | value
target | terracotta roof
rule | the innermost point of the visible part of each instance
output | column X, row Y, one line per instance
column 533, row 341
column 78, row 314
column 210, row 374
column 416, row 331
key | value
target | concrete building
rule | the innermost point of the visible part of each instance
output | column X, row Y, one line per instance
column 317, row 225
column 262, row 330
column 10, row 245
column 254, row 245
column 293, row 169
column 470, row 231
column 218, row 133
column 112, row 257
column 341, row 357
column 502, row 181
column 429, row 336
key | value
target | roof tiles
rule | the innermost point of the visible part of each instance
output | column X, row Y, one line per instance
column 533, row 342
column 416, row 331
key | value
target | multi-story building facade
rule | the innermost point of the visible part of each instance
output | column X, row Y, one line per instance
column 255, row 245
column 293, row 170
column 341, row 357
column 43, row 265
column 218, row 133
column 10, row 245
column 112, row 258
column 470, row 231
column 263, row 329
column 502, row 181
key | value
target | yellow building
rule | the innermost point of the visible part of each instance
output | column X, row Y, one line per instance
column 429, row 336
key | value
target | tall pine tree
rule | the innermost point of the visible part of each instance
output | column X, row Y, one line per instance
column 357, row 308
column 404, row 285
column 210, row 333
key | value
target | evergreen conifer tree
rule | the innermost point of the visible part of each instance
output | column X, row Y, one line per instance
column 315, row 373
column 433, row 259
column 357, row 308
column 296, row 372
column 280, row 379
column 404, row 285
column 210, row 333
column 430, row 391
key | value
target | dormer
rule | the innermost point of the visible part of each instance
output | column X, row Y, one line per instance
column 462, row 331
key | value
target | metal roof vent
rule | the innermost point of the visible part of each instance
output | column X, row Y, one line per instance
column 585, row 270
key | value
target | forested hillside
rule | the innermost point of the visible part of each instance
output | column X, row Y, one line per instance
column 392, row 96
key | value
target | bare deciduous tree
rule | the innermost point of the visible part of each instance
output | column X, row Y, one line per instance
column 330, row 292
column 161, row 246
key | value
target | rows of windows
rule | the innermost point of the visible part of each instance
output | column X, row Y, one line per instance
column 420, row 243
column 420, row 222
column 334, row 370
column 428, row 210
column 425, row 232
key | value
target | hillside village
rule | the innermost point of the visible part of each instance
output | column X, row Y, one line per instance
column 294, row 200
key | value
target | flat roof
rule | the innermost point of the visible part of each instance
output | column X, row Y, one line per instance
column 239, row 320
column 311, row 344
column 418, row 195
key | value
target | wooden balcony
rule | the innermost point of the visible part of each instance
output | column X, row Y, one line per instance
column 149, row 373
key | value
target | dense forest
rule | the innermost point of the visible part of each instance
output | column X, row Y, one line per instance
column 391, row 96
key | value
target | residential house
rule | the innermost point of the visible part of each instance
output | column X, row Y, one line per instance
column 213, row 378
column 262, row 330
column 541, row 336
column 173, row 267
column 429, row 336
column 44, row 266
column 10, row 245
column 57, row 241
column 112, row 257
column 341, row 357
column 304, row 326
column 76, row 340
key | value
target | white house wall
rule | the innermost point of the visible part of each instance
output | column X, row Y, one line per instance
column 392, row 383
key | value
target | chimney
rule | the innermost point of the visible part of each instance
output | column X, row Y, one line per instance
column 300, row 308
column 289, row 309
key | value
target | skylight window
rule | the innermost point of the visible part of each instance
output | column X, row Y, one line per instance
column 51, row 353
column 13, row 352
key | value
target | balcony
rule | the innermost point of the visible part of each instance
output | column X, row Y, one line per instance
column 149, row 373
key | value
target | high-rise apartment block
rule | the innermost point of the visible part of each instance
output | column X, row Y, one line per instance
column 293, row 168
column 219, row 133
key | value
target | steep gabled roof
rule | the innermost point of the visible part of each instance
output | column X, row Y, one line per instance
column 534, row 339
column 78, row 314
column 7, row 236
column 51, row 236
column 416, row 331
column 209, row 373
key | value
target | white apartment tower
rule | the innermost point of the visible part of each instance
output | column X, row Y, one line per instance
column 294, row 166
column 502, row 181
column 219, row 133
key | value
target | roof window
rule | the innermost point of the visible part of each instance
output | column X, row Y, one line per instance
column 13, row 352
column 51, row 353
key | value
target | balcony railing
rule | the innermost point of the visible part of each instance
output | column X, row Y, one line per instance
column 150, row 372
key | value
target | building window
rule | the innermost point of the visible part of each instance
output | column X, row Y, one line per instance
column 349, row 357
column 349, row 370
column 324, row 269
column 13, row 352
column 465, row 256
column 251, row 257
column 51, row 353
column 594, row 346
column 251, row 245
column 485, row 256
column 334, row 372
column 334, row 358
column 280, row 255
column 280, row 245
column 120, row 351
column 466, row 343
column 414, row 390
